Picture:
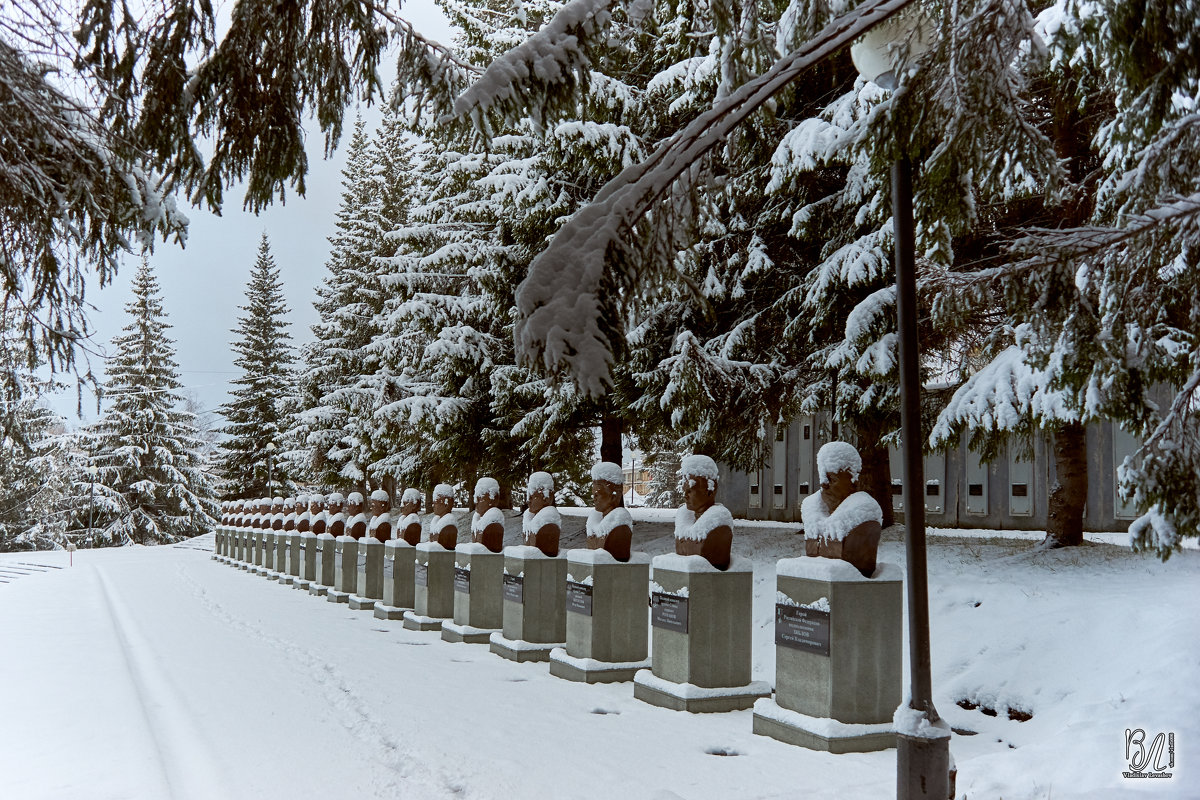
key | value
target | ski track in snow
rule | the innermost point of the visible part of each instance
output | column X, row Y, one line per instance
column 403, row 768
column 188, row 767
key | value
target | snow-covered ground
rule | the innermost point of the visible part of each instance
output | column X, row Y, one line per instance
column 160, row 673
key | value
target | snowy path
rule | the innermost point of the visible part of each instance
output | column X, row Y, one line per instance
column 160, row 673
column 185, row 678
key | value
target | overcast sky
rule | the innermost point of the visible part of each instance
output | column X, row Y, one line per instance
column 204, row 283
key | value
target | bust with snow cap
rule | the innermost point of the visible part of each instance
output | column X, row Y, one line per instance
column 541, row 524
column 487, row 522
column 318, row 520
column 840, row 522
column 409, row 526
column 443, row 525
column 303, row 517
column 277, row 511
column 381, row 515
column 335, row 517
column 289, row 514
column 356, row 520
column 609, row 526
column 703, row 527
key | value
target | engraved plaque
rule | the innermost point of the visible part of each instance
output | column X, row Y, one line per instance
column 462, row 580
column 421, row 575
column 579, row 598
column 514, row 588
column 669, row 612
column 802, row 628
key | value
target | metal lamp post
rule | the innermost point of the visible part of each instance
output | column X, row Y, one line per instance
column 270, row 448
column 922, row 762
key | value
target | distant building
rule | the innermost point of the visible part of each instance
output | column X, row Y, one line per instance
column 960, row 491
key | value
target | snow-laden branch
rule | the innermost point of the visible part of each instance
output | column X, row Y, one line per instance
column 561, row 303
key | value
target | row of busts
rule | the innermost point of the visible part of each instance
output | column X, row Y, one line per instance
column 703, row 527
column 314, row 513
column 840, row 522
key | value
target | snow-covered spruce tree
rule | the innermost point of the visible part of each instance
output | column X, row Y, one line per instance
column 459, row 404
column 330, row 361
column 35, row 462
column 144, row 448
column 1128, row 345
column 255, row 417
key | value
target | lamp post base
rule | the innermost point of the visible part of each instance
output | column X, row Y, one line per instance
column 923, row 768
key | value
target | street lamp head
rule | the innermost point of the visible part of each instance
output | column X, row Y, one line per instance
column 875, row 53
column 93, row 471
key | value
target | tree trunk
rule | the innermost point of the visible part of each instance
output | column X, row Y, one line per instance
column 610, row 439
column 876, row 476
column 1064, row 525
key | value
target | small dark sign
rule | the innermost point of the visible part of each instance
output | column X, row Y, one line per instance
column 802, row 628
column 579, row 598
column 514, row 588
column 669, row 612
column 421, row 575
column 462, row 580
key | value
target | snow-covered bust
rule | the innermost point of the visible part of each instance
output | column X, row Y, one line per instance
column 335, row 517
column 703, row 527
column 318, row 520
column 443, row 525
column 839, row 521
column 303, row 518
column 487, row 523
column 609, row 526
column 289, row 512
column 277, row 514
column 356, row 520
column 409, row 526
column 541, row 524
column 381, row 515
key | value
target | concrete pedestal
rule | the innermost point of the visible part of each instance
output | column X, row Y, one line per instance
column 399, row 558
column 259, row 550
column 369, row 581
column 325, row 562
column 535, row 612
column 305, row 555
column 701, row 621
column 244, row 556
column 268, row 559
column 281, row 553
column 345, row 578
column 433, row 593
column 606, row 618
column 838, row 657
column 478, row 598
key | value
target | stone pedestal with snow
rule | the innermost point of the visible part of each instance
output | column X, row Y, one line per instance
column 838, row 623
column 399, row 559
column 324, row 565
column 479, row 572
column 606, row 592
column 345, row 578
column 838, row 657
column 701, row 624
column 701, row 608
column 535, row 587
column 433, row 581
column 478, row 599
column 606, row 618
column 306, row 560
column 369, row 582
column 534, row 598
